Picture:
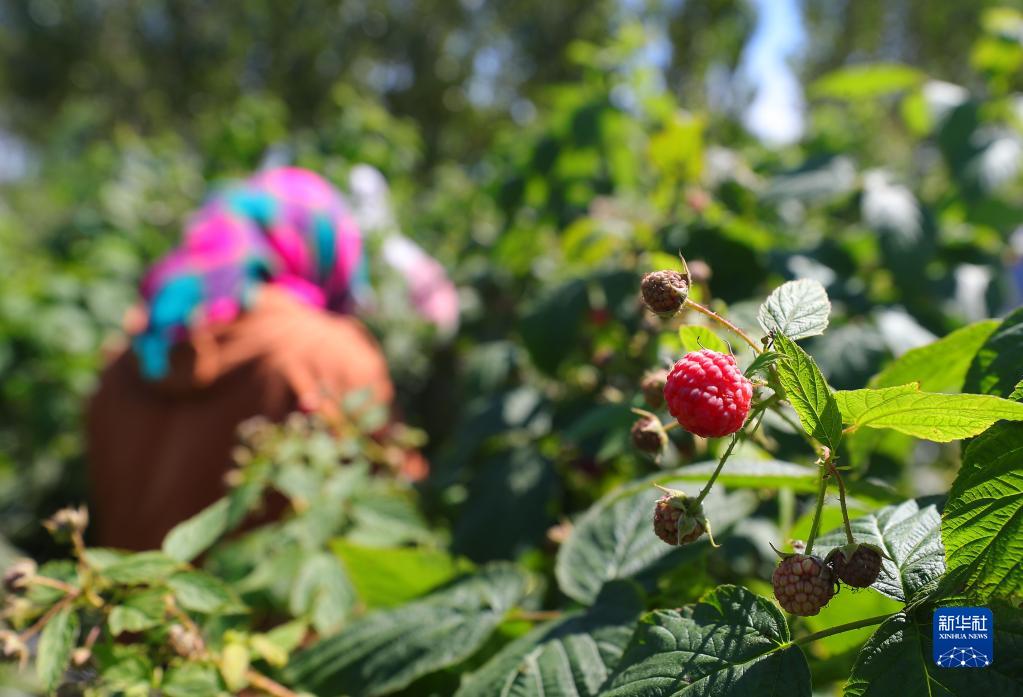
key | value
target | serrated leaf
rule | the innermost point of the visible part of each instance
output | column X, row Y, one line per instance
column 191, row 680
column 809, row 393
column 982, row 524
column 732, row 642
column 898, row 660
column 142, row 567
column 941, row 365
column 137, row 612
column 797, row 309
column 322, row 591
column 570, row 656
column 200, row 592
column 614, row 539
column 190, row 538
column 386, row 650
column 908, row 533
column 998, row 365
column 694, row 338
column 56, row 642
column 389, row 577
column 928, row 415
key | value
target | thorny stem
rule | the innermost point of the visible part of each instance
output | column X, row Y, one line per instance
column 822, row 487
column 723, row 322
column 724, row 457
column 839, row 629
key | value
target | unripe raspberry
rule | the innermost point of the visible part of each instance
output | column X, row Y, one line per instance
column 20, row 574
column 708, row 394
column 678, row 519
column 648, row 435
column 803, row 584
column 856, row 565
column 664, row 292
column 652, row 386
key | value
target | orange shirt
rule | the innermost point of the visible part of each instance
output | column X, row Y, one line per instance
column 158, row 451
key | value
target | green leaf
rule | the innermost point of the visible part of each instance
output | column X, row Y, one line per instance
column 389, row 577
column 570, row 656
column 928, row 415
column 56, row 642
column 191, row 680
column 998, row 364
column 762, row 362
column 201, row 592
column 694, row 338
column 908, row 533
column 982, row 524
column 275, row 646
column 732, row 642
column 898, row 660
column 550, row 328
column 234, row 664
column 941, row 365
column 192, row 537
column 142, row 567
column 614, row 539
column 386, row 650
column 858, row 82
column 138, row 612
column 322, row 591
column 797, row 309
column 809, row 393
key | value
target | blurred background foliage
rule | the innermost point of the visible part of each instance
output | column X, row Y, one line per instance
column 547, row 154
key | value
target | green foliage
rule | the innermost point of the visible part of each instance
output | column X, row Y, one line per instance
column 388, row 649
column 909, row 535
column 927, row 415
column 981, row 525
column 574, row 654
column 797, row 309
column 808, row 392
column 697, row 651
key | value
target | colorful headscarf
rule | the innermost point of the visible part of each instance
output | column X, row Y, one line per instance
column 287, row 227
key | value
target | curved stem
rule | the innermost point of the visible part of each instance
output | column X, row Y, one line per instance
column 271, row 687
column 839, row 629
column 822, row 487
column 841, row 499
column 723, row 322
column 727, row 453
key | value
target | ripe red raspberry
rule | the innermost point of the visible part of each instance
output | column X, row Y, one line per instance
column 803, row 584
column 855, row 565
column 708, row 394
column 678, row 520
column 664, row 292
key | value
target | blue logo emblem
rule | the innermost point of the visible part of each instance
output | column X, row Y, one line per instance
column 964, row 637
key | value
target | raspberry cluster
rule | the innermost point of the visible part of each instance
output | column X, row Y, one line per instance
column 708, row 394
column 664, row 292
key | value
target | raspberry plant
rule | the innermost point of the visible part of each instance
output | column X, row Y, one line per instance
column 351, row 593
